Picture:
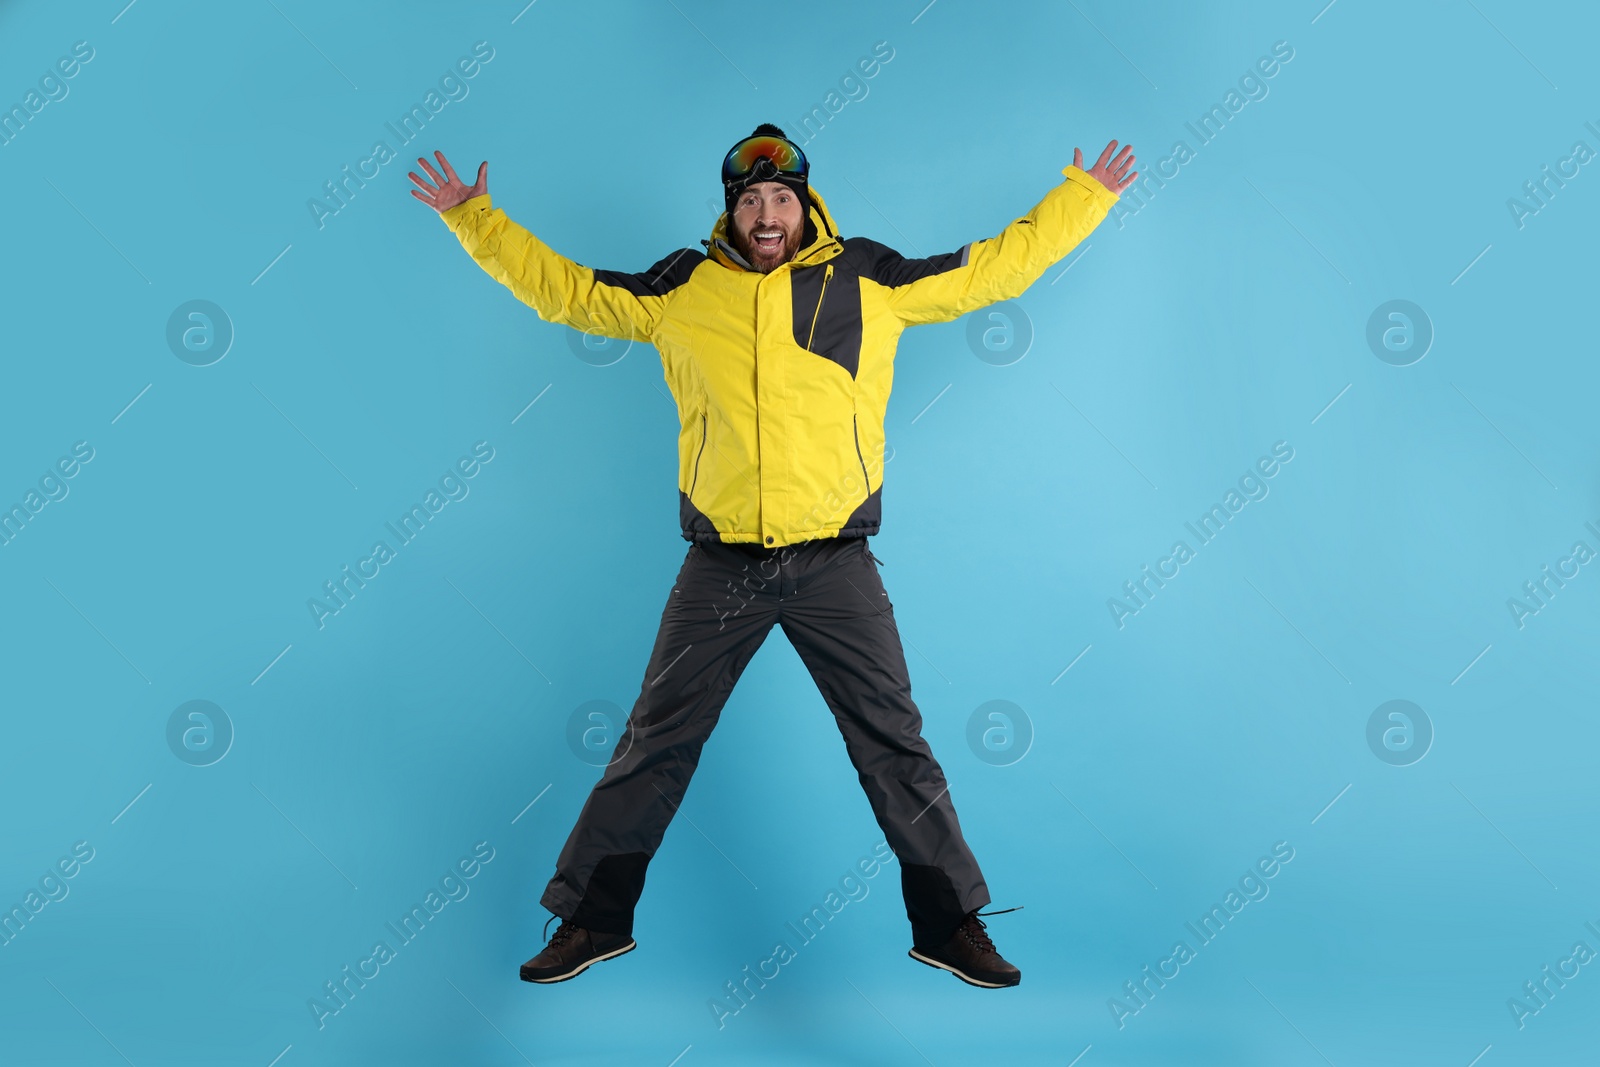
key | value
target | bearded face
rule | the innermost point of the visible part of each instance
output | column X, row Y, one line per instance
column 768, row 220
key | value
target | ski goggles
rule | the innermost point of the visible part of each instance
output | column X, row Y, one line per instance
column 781, row 156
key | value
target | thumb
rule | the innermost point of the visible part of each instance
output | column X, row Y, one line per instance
column 483, row 173
column 1077, row 158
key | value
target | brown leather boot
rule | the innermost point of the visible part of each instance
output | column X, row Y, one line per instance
column 571, row 950
column 970, row 955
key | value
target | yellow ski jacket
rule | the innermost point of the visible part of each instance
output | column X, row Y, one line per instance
column 781, row 379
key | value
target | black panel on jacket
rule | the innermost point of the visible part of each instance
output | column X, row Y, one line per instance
column 863, row 521
column 696, row 527
column 887, row 267
column 866, row 518
column 660, row 279
column 835, row 309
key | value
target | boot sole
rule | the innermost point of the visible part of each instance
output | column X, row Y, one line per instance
column 931, row 962
column 585, row 965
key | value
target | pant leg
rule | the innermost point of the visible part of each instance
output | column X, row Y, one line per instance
column 717, row 616
column 842, row 624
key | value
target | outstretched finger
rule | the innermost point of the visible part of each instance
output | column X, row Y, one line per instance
column 423, row 197
column 1077, row 158
column 1106, row 155
column 431, row 172
column 483, row 176
column 421, row 181
column 449, row 171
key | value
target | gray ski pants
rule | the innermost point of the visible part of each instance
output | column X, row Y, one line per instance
column 829, row 599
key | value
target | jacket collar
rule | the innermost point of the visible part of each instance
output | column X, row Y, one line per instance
column 823, row 246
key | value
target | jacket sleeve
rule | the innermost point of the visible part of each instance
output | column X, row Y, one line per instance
column 946, row 287
column 608, row 303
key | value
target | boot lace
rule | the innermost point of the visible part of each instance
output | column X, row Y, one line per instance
column 563, row 934
column 973, row 928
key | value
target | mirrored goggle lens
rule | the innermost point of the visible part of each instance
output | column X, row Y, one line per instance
column 785, row 156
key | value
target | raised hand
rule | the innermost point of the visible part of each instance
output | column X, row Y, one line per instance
column 1114, row 175
column 451, row 189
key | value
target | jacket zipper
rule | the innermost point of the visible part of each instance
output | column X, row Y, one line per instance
column 696, row 480
column 826, row 277
column 866, row 481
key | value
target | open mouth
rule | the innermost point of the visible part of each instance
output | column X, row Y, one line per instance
column 767, row 240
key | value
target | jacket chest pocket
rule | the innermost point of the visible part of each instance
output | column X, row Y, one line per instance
column 827, row 276
column 827, row 314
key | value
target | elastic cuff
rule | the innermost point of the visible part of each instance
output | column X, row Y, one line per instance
column 453, row 216
column 1083, row 178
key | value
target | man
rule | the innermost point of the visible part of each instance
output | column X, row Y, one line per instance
column 778, row 344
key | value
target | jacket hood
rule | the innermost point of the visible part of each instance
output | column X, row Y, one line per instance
column 820, row 241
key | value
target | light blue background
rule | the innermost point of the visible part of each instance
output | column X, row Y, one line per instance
column 1221, row 318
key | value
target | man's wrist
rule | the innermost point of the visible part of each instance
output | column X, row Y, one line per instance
column 452, row 214
column 1082, row 177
